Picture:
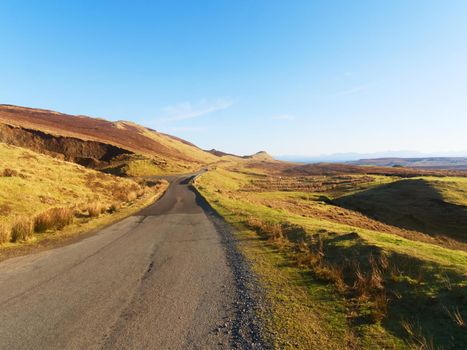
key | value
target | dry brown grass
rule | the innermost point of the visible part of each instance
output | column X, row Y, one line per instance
column 131, row 196
column 456, row 316
column 310, row 254
column 376, row 280
column 5, row 232
column 54, row 218
column 362, row 283
column 22, row 229
column 340, row 169
column 127, row 194
column 417, row 340
column 274, row 232
column 380, row 307
column 330, row 273
column 337, row 184
column 95, row 209
column 114, row 207
column 7, row 172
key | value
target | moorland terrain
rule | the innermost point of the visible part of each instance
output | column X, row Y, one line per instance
column 352, row 257
column 348, row 256
column 459, row 163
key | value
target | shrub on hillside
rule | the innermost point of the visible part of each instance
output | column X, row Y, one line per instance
column 54, row 218
column 21, row 229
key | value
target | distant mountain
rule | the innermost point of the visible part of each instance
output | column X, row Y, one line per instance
column 261, row 155
column 454, row 163
column 353, row 156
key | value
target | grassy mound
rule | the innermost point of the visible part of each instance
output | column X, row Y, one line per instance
column 434, row 206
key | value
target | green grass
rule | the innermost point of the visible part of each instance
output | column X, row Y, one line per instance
column 143, row 167
column 425, row 279
column 433, row 206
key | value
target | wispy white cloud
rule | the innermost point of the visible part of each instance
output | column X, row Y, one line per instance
column 189, row 110
column 354, row 90
column 285, row 117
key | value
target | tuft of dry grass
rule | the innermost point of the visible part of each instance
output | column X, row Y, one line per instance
column 95, row 209
column 273, row 231
column 131, row 196
column 330, row 273
column 376, row 279
column 456, row 316
column 54, row 218
column 22, row 229
column 127, row 194
column 380, row 307
column 114, row 207
column 5, row 232
column 7, row 172
column 416, row 338
column 360, row 282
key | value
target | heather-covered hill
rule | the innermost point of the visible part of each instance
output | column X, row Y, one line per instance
column 120, row 147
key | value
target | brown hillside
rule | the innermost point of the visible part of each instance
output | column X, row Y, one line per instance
column 92, row 141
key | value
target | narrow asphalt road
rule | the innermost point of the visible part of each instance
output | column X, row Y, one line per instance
column 167, row 278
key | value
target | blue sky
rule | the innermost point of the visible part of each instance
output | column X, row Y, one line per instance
column 289, row 77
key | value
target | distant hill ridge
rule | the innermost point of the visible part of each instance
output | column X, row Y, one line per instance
column 459, row 163
column 261, row 155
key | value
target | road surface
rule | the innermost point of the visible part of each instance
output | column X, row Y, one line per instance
column 166, row 278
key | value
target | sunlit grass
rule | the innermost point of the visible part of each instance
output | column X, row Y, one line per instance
column 425, row 278
column 40, row 194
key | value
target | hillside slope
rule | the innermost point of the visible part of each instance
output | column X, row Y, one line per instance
column 99, row 143
column 39, row 194
column 437, row 207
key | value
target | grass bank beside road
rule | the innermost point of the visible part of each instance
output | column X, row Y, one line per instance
column 43, row 199
column 337, row 279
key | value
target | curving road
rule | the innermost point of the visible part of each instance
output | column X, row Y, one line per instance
column 166, row 278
